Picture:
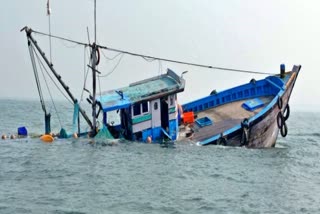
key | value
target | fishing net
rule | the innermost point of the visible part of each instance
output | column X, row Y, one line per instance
column 104, row 133
column 63, row 133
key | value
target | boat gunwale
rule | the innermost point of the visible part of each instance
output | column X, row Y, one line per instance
column 235, row 130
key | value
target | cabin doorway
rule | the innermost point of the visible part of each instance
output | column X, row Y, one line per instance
column 164, row 114
column 156, row 115
column 126, row 130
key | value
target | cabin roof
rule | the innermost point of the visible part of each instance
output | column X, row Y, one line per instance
column 147, row 89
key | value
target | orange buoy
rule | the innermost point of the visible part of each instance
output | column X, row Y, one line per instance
column 47, row 138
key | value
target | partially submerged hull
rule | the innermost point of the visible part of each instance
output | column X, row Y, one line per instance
column 249, row 115
column 233, row 125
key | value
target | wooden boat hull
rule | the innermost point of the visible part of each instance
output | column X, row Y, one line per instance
column 265, row 132
column 261, row 128
column 147, row 110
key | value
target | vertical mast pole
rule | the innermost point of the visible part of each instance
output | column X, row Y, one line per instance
column 49, row 19
column 94, row 63
column 95, row 21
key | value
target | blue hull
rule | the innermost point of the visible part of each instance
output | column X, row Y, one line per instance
column 257, row 131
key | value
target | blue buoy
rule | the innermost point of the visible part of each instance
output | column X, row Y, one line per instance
column 22, row 131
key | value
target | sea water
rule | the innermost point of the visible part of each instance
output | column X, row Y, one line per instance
column 74, row 176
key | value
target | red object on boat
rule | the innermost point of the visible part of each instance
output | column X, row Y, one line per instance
column 188, row 117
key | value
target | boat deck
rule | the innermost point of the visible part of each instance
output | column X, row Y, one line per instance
column 223, row 117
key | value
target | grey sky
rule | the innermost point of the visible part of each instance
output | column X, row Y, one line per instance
column 242, row 34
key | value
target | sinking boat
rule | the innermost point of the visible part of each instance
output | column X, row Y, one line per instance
column 250, row 115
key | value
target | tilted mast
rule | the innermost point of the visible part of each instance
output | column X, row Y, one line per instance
column 74, row 100
column 94, row 63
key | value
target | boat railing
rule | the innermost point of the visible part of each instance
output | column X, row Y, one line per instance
column 265, row 87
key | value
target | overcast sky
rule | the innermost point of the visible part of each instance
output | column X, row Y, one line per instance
column 243, row 34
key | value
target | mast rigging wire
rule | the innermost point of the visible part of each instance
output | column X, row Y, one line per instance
column 53, row 79
column 35, row 71
column 149, row 58
column 108, row 58
column 85, row 72
column 182, row 62
column 114, row 68
column 58, row 37
column 41, row 66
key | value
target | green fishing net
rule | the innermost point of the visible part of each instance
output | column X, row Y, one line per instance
column 104, row 133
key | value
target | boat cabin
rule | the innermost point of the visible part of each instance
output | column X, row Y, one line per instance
column 145, row 110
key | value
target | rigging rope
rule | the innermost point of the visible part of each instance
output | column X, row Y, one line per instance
column 112, row 58
column 35, row 71
column 149, row 58
column 58, row 37
column 41, row 66
column 53, row 80
column 85, row 73
column 114, row 68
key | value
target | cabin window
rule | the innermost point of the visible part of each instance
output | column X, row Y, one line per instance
column 145, row 107
column 155, row 106
column 136, row 109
